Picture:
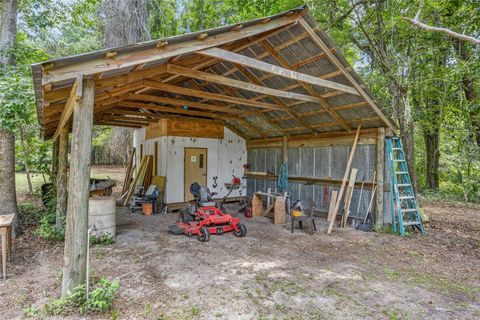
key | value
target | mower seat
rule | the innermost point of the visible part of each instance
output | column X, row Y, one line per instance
column 208, row 204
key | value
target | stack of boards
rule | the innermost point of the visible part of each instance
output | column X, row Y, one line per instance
column 143, row 176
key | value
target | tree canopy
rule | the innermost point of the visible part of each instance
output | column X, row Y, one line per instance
column 428, row 81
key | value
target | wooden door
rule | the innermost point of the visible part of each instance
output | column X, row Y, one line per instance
column 195, row 169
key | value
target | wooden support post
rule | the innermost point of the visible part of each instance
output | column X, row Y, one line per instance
column 75, row 253
column 279, row 212
column 257, row 205
column 380, row 175
column 285, row 149
column 54, row 158
column 61, row 179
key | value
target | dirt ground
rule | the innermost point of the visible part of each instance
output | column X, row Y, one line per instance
column 271, row 273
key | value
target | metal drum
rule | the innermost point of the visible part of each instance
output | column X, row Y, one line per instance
column 102, row 213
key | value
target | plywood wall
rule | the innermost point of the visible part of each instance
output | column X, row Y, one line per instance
column 225, row 157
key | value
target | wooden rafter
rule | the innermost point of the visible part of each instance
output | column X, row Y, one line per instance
column 270, row 68
column 284, row 63
column 319, row 42
column 210, row 77
column 131, row 59
column 151, row 106
column 293, row 114
column 208, row 95
column 75, row 95
column 189, row 103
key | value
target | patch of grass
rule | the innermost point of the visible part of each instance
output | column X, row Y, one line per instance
column 192, row 312
column 395, row 314
column 392, row 274
column 100, row 300
column 431, row 281
column 31, row 312
column 147, row 310
column 21, row 183
column 104, row 239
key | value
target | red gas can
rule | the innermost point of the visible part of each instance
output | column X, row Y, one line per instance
column 248, row 212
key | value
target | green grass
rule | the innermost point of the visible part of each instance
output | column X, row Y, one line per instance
column 22, row 184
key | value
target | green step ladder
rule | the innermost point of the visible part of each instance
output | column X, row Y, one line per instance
column 405, row 211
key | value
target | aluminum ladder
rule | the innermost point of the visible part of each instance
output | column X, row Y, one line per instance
column 405, row 211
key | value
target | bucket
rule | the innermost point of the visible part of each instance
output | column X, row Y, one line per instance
column 296, row 213
column 248, row 212
column 102, row 212
column 147, row 208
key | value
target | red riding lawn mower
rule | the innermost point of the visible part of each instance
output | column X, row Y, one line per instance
column 203, row 217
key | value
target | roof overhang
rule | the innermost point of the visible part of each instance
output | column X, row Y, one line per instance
column 269, row 77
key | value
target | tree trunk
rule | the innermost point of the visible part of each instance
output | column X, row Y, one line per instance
column 469, row 91
column 8, row 195
column 25, row 159
column 75, row 252
column 432, row 149
column 8, row 36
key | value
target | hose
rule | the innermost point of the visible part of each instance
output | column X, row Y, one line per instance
column 282, row 182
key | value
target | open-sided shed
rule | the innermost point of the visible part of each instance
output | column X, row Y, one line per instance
column 276, row 85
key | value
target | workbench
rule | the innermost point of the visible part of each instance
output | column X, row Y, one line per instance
column 6, row 238
column 275, row 201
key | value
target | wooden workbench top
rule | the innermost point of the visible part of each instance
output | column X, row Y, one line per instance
column 6, row 220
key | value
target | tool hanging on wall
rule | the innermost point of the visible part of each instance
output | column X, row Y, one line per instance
column 282, row 182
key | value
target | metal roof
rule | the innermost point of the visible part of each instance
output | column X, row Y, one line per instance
column 178, row 77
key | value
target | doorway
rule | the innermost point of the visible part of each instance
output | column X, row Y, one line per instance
column 195, row 169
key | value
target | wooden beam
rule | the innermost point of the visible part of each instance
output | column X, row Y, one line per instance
column 367, row 136
column 75, row 253
column 133, row 113
column 61, row 179
column 133, row 119
column 307, row 180
column 270, row 68
column 293, row 114
column 135, row 57
column 245, row 43
column 380, row 167
column 69, row 106
column 208, row 95
column 137, row 105
column 284, row 63
column 238, row 84
column 117, row 124
column 130, row 77
column 189, row 103
column 347, row 75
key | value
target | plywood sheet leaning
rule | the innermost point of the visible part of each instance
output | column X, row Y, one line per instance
column 344, row 182
column 333, row 201
column 129, row 172
column 138, row 179
column 279, row 212
column 348, row 196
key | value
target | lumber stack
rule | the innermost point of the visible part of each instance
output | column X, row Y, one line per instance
column 135, row 178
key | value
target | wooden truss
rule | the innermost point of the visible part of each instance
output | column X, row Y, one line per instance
column 241, row 77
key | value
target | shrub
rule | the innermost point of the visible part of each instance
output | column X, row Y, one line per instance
column 46, row 229
column 100, row 300
column 29, row 214
column 105, row 239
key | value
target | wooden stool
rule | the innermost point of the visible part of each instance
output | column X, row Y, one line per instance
column 6, row 238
